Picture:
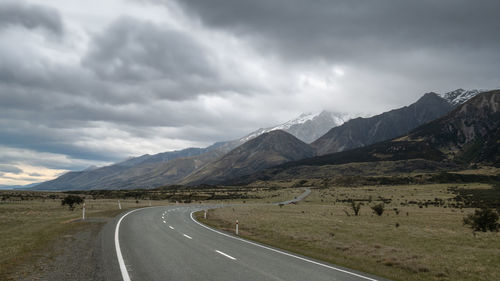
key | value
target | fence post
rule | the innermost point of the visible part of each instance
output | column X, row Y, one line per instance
column 83, row 211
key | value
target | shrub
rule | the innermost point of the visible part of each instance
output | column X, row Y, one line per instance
column 355, row 207
column 378, row 209
column 483, row 220
column 71, row 200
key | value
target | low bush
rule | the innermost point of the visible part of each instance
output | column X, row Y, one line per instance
column 71, row 200
column 378, row 209
column 483, row 220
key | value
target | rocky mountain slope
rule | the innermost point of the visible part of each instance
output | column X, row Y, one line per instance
column 468, row 134
column 460, row 96
column 269, row 149
column 361, row 132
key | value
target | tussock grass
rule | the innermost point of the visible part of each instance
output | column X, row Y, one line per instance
column 410, row 241
column 30, row 225
column 31, row 221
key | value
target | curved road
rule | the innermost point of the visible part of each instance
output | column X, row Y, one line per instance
column 166, row 243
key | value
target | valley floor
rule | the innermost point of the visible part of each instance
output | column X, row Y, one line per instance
column 42, row 240
column 420, row 235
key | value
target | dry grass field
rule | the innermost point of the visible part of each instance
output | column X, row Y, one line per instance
column 420, row 235
column 31, row 222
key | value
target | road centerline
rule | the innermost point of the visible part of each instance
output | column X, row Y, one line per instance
column 281, row 252
column 187, row 236
column 226, row 255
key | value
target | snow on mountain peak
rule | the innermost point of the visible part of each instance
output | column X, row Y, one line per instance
column 332, row 119
column 460, row 96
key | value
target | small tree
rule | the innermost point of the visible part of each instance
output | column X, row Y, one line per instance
column 71, row 200
column 355, row 207
column 483, row 220
column 378, row 209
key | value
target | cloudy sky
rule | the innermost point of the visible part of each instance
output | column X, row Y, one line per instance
column 93, row 82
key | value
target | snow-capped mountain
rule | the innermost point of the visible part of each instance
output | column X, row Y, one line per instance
column 460, row 96
column 307, row 127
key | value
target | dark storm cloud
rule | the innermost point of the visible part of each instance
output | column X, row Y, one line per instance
column 134, row 50
column 157, row 61
column 30, row 16
column 124, row 83
column 345, row 29
column 10, row 169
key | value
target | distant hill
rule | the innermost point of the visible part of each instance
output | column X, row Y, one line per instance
column 147, row 171
column 10, row 187
column 361, row 132
column 468, row 134
column 264, row 151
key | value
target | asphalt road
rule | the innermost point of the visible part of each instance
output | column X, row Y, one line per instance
column 166, row 243
column 304, row 194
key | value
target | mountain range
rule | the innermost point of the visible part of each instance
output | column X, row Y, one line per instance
column 262, row 148
column 361, row 132
column 468, row 134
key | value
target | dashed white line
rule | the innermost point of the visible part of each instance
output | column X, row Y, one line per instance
column 187, row 236
column 164, row 222
column 281, row 252
column 226, row 255
column 171, row 227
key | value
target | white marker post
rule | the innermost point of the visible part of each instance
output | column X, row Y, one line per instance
column 205, row 216
column 237, row 227
column 83, row 211
column 119, row 205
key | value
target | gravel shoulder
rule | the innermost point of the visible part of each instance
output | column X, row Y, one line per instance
column 76, row 255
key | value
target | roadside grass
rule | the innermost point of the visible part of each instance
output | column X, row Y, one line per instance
column 30, row 222
column 420, row 235
column 29, row 226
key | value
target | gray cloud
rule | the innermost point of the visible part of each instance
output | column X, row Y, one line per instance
column 447, row 43
column 343, row 28
column 126, row 82
column 134, row 50
column 30, row 16
column 154, row 61
column 5, row 168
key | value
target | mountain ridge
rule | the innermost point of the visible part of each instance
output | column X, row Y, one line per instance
column 269, row 149
column 361, row 132
column 468, row 134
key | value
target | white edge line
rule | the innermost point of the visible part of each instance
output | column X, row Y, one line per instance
column 123, row 268
column 187, row 236
column 226, row 255
column 281, row 252
column 119, row 256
